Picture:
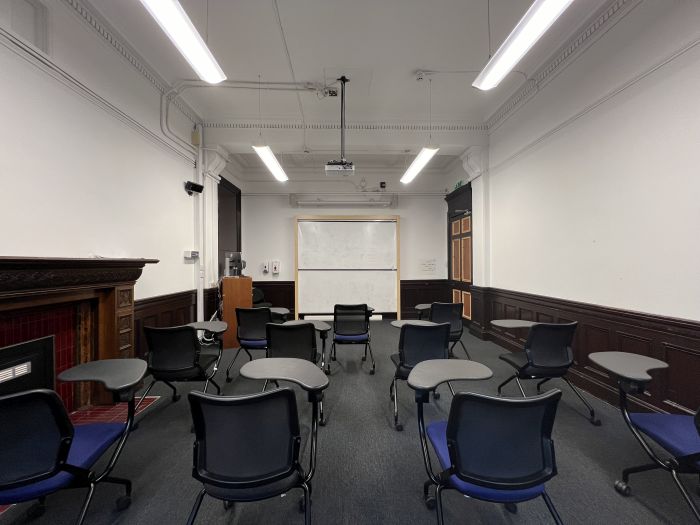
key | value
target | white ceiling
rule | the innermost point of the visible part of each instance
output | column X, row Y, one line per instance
column 378, row 44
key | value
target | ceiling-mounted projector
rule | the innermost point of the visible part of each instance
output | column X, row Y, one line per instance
column 342, row 166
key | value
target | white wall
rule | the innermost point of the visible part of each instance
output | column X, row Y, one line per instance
column 593, row 188
column 268, row 233
column 79, row 182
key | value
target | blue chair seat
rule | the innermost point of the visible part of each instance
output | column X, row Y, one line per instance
column 89, row 443
column 676, row 433
column 438, row 437
column 359, row 338
column 253, row 343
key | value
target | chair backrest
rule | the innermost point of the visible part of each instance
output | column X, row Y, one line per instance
column 172, row 349
column 549, row 345
column 35, row 436
column 292, row 340
column 245, row 441
column 350, row 319
column 252, row 321
column 419, row 343
column 502, row 443
column 258, row 295
column 448, row 313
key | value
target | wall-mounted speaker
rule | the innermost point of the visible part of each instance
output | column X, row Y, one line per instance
column 193, row 187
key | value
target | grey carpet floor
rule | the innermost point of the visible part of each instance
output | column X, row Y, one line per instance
column 368, row 472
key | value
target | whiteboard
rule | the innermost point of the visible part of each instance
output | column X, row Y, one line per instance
column 347, row 245
column 320, row 290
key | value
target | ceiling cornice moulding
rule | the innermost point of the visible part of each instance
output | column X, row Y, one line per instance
column 48, row 66
column 89, row 15
column 357, row 126
column 607, row 17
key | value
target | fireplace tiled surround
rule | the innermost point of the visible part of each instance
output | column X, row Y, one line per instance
column 86, row 304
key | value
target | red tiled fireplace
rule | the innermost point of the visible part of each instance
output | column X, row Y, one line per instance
column 85, row 304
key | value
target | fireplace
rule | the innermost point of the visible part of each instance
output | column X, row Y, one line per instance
column 85, row 305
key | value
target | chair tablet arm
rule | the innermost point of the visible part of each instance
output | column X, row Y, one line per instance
column 120, row 376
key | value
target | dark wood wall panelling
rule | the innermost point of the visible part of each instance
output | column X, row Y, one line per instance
column 600, row 329
column 415, row 292
column 279, row 293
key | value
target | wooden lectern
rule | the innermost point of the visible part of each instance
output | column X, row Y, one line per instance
column 237, row 292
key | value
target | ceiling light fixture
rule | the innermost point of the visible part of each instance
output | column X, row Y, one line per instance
column 427, row 152
column 266, row 155
column 535, row 23
column 265, row 152
column 173, row 20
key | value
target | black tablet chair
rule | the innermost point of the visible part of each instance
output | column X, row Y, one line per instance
column 351, row 326
column 296, row 340
column 251, row 332
column 247, row 448
column 677, row 434
column 41, row 452
column 493, row 449
column 547, row 356
column 259, row 299
column 175, row 354
column 450, row 313
column 416, row 343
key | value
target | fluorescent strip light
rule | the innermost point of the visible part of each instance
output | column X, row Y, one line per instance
column 418, row 164
column 538, row 19
column 266, row 155
column 173, row 20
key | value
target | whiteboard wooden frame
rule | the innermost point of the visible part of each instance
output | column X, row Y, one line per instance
column 347, row 218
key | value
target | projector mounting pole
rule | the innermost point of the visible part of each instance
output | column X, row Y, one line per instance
column 343, row 80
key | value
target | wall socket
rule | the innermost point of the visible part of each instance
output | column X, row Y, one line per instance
column 275, row 267
column 265, row 267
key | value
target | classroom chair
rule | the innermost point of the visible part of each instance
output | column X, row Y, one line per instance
column 416, row 344
column 259, row 299
column 450, row 313
column 493, row 449
column 351, row 327
column 175, row 354
column 297, row 341
column 677, row 434
column 41, row 452
column 247, row 448
column 547, row 356
column 251, row 332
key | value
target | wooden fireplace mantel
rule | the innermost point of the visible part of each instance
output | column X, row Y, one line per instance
column 101, row 289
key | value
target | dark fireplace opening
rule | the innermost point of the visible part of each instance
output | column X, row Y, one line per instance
column 27, row 365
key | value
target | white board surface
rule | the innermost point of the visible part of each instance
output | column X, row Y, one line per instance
column 346, row 245
column 320, row 290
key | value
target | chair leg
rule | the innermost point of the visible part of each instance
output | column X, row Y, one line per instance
column 195, row 509
column 333, row 356
column 145, row 394
column 465, row 349
column 552, row 509
column 371, row 356
column 397, row 426
column 86, row 504
column 265, row 384
column 542, row 383
column 520, row 386
column 452, row 390
column 450, row 353
column 438, row 500
column 505, row 383
column 228, row 370
column 686, row 497
column 307, row 503
column 321, row 419
column 176, row 396
column 364, row 356
column 216, row 385
column 592, row 418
